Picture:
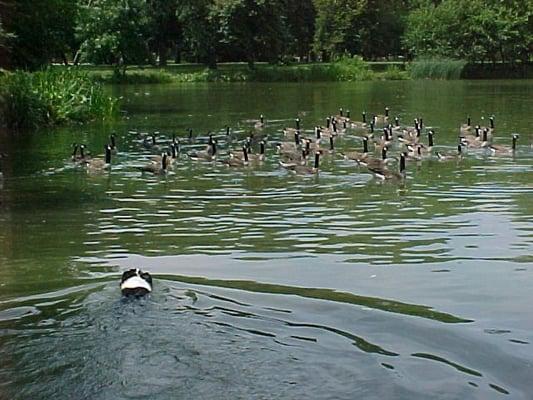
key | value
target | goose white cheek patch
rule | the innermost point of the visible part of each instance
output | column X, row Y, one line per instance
column 135, row 282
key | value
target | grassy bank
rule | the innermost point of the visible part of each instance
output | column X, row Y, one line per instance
column 344, row 70
column 51, row 97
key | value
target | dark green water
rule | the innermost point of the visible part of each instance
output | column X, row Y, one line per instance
column 268, row 284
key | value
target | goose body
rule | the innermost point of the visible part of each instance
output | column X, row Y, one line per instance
column 356, row 156
column 135, row 282
column 99, row 164
column 209, row 154
column 380, row 118
column 501, row 150
column 359, row 124
column 261, row 123
column 450, row 157
column 113, row 144
column 304, row 169
column 371, row 162
column 467, row 127
column 238, row 162
column 292, row 131
column 385, row 174
column 156, row 168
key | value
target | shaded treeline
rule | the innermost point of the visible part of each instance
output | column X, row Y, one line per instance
column 126, row 32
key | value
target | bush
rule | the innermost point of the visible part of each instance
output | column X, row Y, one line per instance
column 393, row 73
column 50, row 97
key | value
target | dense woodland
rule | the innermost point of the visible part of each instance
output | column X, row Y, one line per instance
column 125, row 32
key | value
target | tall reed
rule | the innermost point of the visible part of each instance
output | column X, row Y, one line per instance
column 436, row 68
column 50, row 97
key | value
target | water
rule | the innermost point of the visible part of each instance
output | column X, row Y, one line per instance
column 269, row 284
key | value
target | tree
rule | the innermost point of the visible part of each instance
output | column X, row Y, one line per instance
column 200, row 27
column 115, row 32
column 165, row 28
column 43, row 31
column 474, row 30
column 336, row 30
column 300, row 20
column 252, row 29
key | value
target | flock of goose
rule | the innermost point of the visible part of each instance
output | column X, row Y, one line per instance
column 379, row 135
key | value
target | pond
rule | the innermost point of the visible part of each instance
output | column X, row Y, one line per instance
column 268, row 284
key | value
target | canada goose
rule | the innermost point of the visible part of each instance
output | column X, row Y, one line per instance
column 342, row 117
column 371, row 162
column 113, row 142
column 416, row 152
column 209, row 154
column 359, row 124
column 292, row 159
column 289, row 147
column 385, row 174
column 481, row 139
column 171, row 153
column 150, row 142
column 411, row 134
column 135, row 282
column 371, row 130
column 156, row 168
column 74, row 156
column 290, row 131
column 98, row 164
column 304, row 169
column 83, row 157
column 382, row 119
column 237, row 161
column 450, row 157
column 261, row 156
column 472, row 140
column 396, row 127
column 385, row 139
column 501, row 150
column 261, row 123
column 356, row 156
column 466, row 128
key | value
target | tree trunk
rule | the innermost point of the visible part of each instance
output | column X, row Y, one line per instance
column 177, row 57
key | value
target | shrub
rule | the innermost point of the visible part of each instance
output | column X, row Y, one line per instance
column 52, row 96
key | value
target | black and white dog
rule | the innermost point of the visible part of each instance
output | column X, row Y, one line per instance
column 136, row 283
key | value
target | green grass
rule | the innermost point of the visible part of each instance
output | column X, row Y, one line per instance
column 51, row 97
column 393, row 73
column 436, row 68
column 346, row 69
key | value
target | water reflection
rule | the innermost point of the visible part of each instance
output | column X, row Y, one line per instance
column 264, row 278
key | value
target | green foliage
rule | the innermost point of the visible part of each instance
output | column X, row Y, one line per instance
column 137, row 77
column 436, row 68
column 43, row 30
column 129, row 32
column 252, row 29
column 371, row 28
column 52, row 96
column 337, row 27
column 474, row 30
column 115, row 32
column 300, row 25
column 394, row 73
column 201, row 31
column 344, row 69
